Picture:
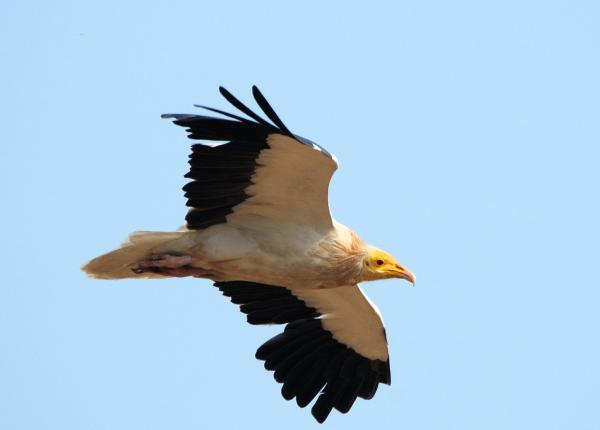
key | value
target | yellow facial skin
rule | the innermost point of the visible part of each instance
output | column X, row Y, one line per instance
column 381, row 265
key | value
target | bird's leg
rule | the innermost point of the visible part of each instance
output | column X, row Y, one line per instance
column 169, row 265
column 166, row 261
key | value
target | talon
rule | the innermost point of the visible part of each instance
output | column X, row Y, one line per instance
column 170, row 265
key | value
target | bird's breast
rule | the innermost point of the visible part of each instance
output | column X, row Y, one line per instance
column 289, row 255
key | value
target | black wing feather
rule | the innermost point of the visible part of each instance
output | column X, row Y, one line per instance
column 234, row 158
column 220, row 174
column 305, row 357
column 241, row 106
column 268, row 110
column 230, row 115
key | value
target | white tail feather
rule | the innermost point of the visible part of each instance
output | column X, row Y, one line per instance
column 139, row 246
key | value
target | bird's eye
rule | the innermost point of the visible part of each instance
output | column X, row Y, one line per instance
column 379, row 262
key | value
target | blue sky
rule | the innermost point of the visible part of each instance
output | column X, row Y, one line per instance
column 467, row 134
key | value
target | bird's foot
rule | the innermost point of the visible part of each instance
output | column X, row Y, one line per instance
column 169, row 265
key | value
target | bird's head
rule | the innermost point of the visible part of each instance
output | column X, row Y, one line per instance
column 378, row 264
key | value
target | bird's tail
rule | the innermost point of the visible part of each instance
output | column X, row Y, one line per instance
column 139, row 246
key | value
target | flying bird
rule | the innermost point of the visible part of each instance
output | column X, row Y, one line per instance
column 260, row 227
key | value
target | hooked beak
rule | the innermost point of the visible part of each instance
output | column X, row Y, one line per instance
column 404, row 273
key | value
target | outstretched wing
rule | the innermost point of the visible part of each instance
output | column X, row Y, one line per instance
column 334, row 342
column 263, row 170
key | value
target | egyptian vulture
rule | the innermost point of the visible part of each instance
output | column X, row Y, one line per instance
column 259, row 226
